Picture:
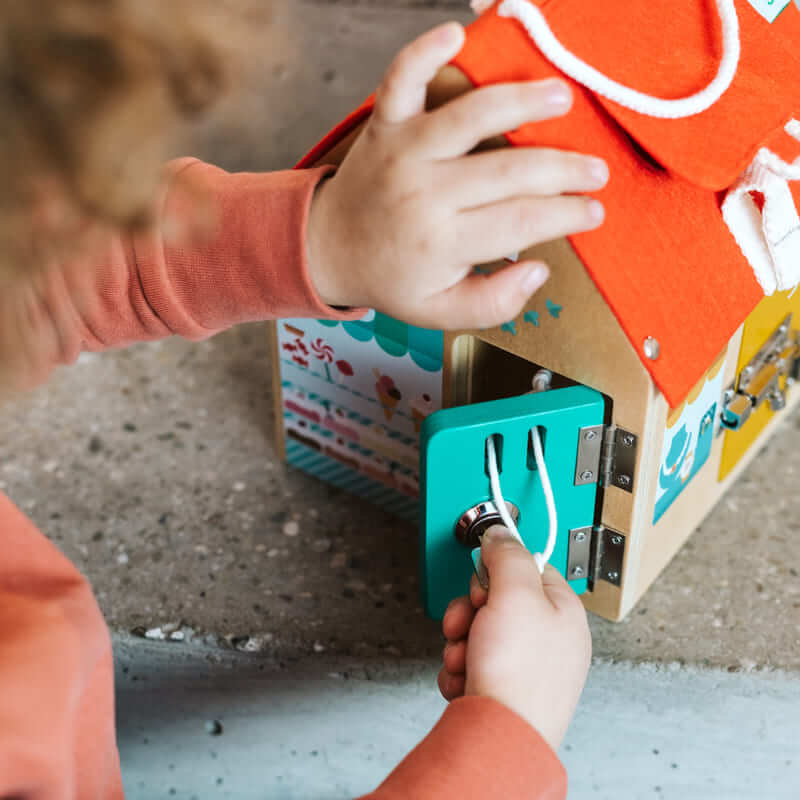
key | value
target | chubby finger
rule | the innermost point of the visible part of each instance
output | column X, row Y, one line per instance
column 491, row 232
column 478, row 595
column 558, row 591
column 460, row 125
column 451, row 686
column 454, row 657
column 485, row 178
column 512, row 569
column 402, row 93
column 458, row 619
column 483, row 301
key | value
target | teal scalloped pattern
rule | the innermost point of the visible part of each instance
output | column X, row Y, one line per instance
column 424, row 347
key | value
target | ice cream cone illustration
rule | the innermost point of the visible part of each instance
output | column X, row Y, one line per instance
column 421, row 407
column 388, row 393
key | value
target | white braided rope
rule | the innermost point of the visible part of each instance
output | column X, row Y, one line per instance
column 536, row 25
column 547, row 488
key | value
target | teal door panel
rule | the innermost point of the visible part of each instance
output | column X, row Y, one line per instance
column 454, row 479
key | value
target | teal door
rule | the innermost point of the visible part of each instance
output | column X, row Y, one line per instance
column 454, row 479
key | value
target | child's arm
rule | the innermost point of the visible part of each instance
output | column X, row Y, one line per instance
column 398, row 228
column 515, row 663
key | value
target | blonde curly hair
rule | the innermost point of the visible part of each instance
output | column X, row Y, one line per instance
column 92, row 93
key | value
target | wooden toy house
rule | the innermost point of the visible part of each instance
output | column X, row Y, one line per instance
column 661, row 310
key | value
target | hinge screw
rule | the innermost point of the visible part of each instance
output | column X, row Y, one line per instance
column 580, row 537
column 624, row 480
column 613, row 576
column 617, row 540
column 587, row 475
column 590, row 435
column 628, row 440
column 577, row 572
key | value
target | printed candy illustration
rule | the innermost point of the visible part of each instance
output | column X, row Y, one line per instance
column 355, row 395
column 388, row 393
column 421, row 407
column 324, row 352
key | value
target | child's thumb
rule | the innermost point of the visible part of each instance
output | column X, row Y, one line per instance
column 509, row 564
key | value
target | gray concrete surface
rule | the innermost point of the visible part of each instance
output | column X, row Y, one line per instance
column 332, row 729
column 154, row 470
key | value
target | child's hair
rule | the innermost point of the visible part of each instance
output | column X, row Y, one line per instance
column 91, row 94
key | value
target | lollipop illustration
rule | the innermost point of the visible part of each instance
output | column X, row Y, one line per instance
column 324, row 352
column 388, row 393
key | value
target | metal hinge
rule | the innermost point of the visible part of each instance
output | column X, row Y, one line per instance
column 606, row 455
column 596, row 553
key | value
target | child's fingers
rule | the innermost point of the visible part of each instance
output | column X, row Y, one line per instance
column 458, row 619
column 558, row 591
column 488, row 233
column 481, row 301
column 451, row 686
column 402, row 93
column 454, row 657
column 485, row 178
column 463, row 123
column 477, row 594
column 512, row 569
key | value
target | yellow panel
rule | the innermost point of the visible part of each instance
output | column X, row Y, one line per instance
column 759, row 326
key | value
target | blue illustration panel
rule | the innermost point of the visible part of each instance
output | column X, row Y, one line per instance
column 688, row 441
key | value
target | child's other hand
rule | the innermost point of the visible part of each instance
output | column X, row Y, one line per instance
column 525, row 642
column 408, row 214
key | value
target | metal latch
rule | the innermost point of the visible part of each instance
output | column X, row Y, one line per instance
column 759, row 380
column 596, row 553
column 606, row 455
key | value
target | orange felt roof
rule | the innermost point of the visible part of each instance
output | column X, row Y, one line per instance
column 664, row 259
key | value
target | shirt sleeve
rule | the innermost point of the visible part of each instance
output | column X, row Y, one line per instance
column 479, row 750
column 227, row 248
column 56, row 674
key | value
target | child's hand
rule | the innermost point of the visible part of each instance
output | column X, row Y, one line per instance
column 408, row 214
column 526, row 642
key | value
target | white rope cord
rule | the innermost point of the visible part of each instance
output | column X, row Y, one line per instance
column 774, row 163
column 768, row 234
column 536, row 25
column 500, row 503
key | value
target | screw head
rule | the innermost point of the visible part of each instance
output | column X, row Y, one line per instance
column 628, row 439
column 624, row 480
column 577, row 572
column 580, row 536
column 590, row 436
column 617, row 540
column 587, row 475
column 652, row 348
column 613, row 576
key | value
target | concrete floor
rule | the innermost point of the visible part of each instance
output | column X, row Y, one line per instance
column 154, row 470
column 331, row 729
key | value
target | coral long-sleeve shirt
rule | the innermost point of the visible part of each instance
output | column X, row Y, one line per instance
column 56, row 692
